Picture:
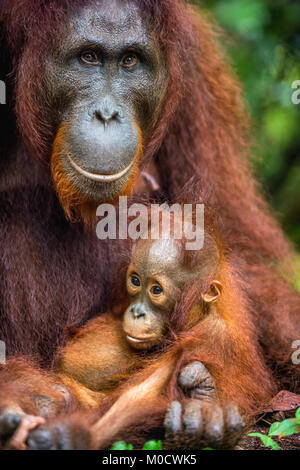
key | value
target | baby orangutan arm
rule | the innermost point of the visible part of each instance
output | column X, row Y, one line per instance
column 198, row 420
column 142, row 405
column 202, row 422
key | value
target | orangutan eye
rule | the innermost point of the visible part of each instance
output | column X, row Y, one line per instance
column 156, row 290
column 90, row 58
column 129, row 61
column 135, row 281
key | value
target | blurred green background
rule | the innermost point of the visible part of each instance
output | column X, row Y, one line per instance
column 263, row 39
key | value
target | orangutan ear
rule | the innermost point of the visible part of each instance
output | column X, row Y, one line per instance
column 213, row 292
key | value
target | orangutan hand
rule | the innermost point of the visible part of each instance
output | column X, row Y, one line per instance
column 200, row 421
column 15, row 427
column 70, row 432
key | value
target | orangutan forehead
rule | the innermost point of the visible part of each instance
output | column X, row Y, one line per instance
column 112, row 14
column 116, row 21
column 158, row 256
column 167, row 256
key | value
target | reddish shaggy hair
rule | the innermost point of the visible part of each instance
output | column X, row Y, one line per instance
column 201, row 142
column 203, row 126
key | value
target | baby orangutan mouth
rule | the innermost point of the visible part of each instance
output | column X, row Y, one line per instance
column 141, row 343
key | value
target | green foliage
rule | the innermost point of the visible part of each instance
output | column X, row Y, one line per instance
column 266, row 440
column 121, row 445
column 242, row 16
column 288, row 427
column 280, row 429
column 153, row 445
column 150, row 445
column 264, row 43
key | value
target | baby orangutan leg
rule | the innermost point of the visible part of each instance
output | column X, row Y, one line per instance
column 200, row 421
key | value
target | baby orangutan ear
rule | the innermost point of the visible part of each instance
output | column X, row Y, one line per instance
column 213, row 292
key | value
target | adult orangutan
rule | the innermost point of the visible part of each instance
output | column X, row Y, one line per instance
column 96, row 92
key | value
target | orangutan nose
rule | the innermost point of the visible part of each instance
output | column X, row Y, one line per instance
column 138, row 311
column 107, row 111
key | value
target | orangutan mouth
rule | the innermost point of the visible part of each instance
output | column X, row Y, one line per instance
column 98, row 177
column 140, row 340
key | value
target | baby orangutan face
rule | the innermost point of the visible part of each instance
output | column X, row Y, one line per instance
column 155, row 280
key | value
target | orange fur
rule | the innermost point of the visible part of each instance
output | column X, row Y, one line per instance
column 102, row 370
column 72, row 201
column 226, row 343
column 202, row 134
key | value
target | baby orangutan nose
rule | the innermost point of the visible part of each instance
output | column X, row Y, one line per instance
column 138, row 311
column 142, row 327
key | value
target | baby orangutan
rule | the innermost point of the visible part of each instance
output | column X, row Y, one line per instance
column 180, row 325
column 110, row 349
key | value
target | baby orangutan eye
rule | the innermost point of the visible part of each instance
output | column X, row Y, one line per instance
column 135, row 281
column 156, row 290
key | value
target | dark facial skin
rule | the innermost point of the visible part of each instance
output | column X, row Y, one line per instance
column 151, row 281
column 155, row 281
column 109, row 79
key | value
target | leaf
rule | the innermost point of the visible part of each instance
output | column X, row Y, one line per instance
column 152, row 445
column 121, row 445
column 273, row 429
column 266, row 440
column 298, row 415
column 285, row 428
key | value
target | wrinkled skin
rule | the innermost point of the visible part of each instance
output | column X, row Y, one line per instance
column 199, row 422
column 108, row 79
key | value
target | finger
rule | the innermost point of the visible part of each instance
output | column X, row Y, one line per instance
column 57, row 436
column 174, row 438
column 192, row 418
column 173, row 421
column 19, row 437
column 40, row 439
column 68, row 434
column 64, row 438
column 234, row 426
column 196, row 379
column 214, row 426
column 9, row 421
